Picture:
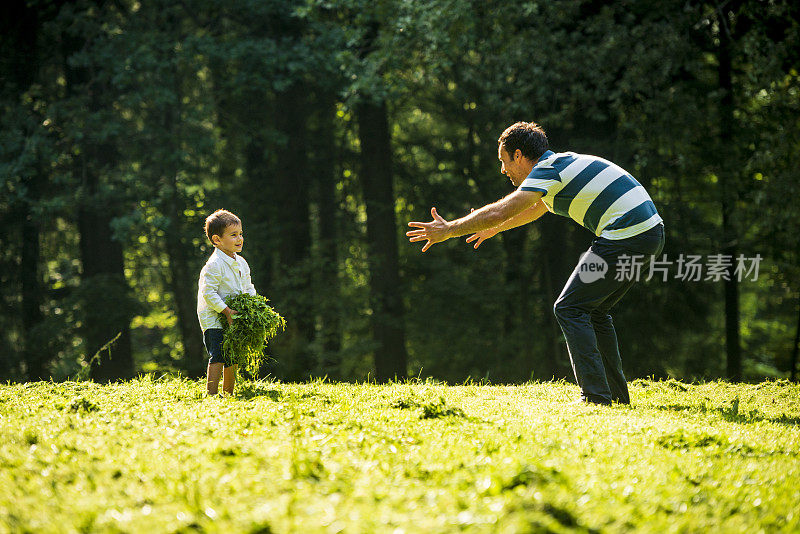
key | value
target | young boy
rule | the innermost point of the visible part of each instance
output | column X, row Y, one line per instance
column 225, row 273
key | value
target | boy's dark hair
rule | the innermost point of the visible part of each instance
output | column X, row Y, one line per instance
column 528, row 137
column 218, row 221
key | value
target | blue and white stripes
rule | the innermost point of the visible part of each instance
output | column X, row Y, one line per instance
column 594, row 192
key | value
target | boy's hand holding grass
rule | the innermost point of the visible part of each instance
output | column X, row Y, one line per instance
column 229, row 313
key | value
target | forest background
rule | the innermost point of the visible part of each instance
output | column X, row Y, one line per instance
column 327, row 126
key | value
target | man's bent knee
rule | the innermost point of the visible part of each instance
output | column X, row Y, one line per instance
column 559, row 309
column 563, row 310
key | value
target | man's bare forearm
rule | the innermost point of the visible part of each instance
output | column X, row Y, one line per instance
column 527, row 216
column 482, row 219
column 492, row 215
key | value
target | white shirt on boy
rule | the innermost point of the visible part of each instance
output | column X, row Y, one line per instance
column 221, row 277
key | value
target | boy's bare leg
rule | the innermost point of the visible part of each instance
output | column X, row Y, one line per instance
column 229, row 379
column 213, row 374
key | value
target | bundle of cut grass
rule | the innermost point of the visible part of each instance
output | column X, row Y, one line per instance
column 253, row 326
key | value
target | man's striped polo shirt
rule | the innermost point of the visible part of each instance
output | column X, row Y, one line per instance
column 594, row 192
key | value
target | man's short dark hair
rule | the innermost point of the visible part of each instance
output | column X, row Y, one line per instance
column 528, row 137
column 218, row 221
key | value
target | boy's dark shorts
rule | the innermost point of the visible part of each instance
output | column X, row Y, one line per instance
column 212, row 339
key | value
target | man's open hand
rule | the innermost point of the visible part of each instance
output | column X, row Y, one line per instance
column 433, row 232
column 480, row 237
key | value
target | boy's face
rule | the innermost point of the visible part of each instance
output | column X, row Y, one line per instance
column 231, row 240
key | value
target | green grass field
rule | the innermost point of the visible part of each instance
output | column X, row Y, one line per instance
column 157, row 456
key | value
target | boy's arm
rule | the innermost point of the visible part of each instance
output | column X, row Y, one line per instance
column 210, row 279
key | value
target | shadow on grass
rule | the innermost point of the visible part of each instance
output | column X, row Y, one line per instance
column 251, row 391
column 732, row 414
column 321, row 397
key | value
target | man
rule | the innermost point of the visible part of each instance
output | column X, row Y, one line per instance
column 601, row 197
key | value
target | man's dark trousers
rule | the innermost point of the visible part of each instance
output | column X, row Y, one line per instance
column 583, row 306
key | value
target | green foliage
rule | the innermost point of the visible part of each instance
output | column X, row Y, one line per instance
column 157, row 455
column 254, row 324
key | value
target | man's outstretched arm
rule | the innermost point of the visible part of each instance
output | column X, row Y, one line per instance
column 491, row 215
column 522, row 218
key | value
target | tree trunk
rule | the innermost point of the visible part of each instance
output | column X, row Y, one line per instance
column 795, row 348
column 23, row 25
column 104, row 290
column 184, row 292
column 294, row 228
column 105, row 294
column 731, row 288
column 728, row 196
column 260, row 181
column 292, row 174
column 325, row 175
column 103, row 286
column 183, row 276
column 376, row 178
column 32, row 296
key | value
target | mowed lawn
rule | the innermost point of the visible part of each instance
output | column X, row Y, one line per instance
column 155, row 455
